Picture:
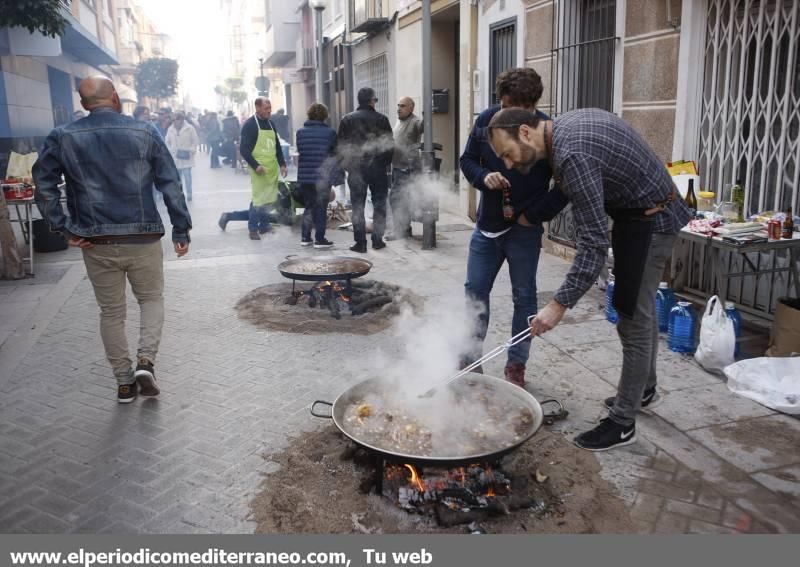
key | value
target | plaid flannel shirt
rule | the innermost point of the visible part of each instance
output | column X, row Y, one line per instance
column 603, row 164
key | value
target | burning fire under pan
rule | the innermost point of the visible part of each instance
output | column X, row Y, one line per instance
column 334, row 288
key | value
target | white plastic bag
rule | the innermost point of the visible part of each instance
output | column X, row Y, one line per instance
column 717, row 338
column 20, row 165
column 773, row 382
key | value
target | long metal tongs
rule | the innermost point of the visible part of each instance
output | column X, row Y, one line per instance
column 516, row 339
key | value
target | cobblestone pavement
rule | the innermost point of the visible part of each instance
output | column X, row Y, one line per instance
column 73, row 460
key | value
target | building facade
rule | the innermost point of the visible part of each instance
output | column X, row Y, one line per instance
column 138, row 40
column 39, row 75
column 714, row 81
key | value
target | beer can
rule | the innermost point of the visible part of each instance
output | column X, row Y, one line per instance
column 774, row 230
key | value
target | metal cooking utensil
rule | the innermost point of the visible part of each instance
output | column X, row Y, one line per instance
column 322, row 268
column 516, row 339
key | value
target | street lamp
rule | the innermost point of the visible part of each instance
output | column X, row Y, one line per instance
column 262, row 83
column 319, row 6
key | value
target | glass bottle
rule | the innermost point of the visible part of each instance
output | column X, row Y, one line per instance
column 508, row 207
column 691, row 198
column 788, row 225
column 737, row 196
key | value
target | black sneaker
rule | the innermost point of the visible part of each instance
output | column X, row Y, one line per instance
column 650, row 399
column 254, row 235
column 146, row 378
column 360, row 247
column 306, row 242
column 223, row 220
column 324, row 243
column 378, row 244
column 607, row 435
column 126, row 393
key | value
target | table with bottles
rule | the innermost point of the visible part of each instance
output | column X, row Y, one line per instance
column 717, row 261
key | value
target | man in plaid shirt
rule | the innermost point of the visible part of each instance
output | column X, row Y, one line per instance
column 605, row 169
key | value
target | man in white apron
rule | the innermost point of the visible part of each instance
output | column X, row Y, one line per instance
column 261, row 149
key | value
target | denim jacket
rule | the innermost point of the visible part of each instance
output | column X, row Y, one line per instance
column 110, row 163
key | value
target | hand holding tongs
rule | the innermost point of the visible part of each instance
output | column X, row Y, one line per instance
column 516, row 339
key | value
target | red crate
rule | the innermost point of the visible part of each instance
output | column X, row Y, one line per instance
column 14, row 191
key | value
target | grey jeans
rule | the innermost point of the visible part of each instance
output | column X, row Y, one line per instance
column 108, row 267
column 639, row 336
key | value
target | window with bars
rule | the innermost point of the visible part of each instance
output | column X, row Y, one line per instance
column 375, row 73
column 584, row 47
column 503, row 54
column 750, row 111
column 582, row 71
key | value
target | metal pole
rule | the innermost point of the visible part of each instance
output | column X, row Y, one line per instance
column 430, row 208
column 427, row 92
column 318, row 24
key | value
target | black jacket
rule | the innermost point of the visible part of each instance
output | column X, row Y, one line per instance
column 250, row 137
column 365, row 139
column 230, row 128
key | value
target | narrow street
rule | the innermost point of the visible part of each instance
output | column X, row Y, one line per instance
column 73, row 460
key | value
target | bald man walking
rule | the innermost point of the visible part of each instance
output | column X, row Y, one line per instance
column 110, row 163
column 405, row 163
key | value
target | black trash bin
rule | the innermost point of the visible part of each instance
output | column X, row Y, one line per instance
column 46, row 241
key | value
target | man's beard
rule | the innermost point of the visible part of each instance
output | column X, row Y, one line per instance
column 527, row 160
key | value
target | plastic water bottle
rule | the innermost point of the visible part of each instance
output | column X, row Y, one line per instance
column 665, row 301
column 733, row 315
column 611, row 313
column 681, row 328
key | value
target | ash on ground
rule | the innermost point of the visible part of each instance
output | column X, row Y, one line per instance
column 377, row 303
column 325, row 485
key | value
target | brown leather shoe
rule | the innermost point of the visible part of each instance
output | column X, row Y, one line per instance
column 515, row 373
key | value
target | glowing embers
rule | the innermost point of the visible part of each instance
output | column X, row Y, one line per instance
column 458, row 495
column 355, row 298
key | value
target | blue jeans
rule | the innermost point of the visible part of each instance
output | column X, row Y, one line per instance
column 520, row 246
column 186, row 174
column 257, row 217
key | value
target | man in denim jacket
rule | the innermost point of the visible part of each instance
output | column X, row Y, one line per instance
column 110, row 163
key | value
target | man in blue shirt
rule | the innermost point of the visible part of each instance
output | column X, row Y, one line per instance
column 510, row 216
